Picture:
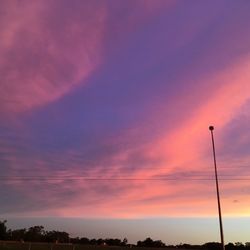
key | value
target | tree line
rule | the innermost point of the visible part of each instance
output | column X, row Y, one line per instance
column 39, row 234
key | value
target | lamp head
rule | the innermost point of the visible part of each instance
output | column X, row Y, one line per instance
column 211, row 128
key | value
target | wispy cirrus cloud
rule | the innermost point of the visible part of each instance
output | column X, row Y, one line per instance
column 46, row 50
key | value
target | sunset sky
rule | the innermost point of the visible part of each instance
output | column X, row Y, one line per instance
column 104, row 114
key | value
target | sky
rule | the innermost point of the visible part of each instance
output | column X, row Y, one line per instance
column 104, row 115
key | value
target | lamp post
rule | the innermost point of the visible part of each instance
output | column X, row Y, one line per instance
column 211, row 128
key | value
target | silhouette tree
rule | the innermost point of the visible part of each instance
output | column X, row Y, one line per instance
column 3, row 230
column 239, row 245
column 84, row 241
column 247, row 245
column 148, row 242
column 18, row 234
column 35, row 234
column 124, row 242
column 113, row 242
column 38, row 234
column 93, row 242
column 230, row 246
column 56, row 236
column 212, row 246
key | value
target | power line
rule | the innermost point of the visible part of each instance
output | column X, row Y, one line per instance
column 115, row 179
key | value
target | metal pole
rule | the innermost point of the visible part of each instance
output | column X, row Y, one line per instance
column 211, row 128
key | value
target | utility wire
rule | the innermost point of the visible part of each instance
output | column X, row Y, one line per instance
column 117, row 179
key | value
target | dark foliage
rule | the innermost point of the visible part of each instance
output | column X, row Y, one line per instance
column 212, row 246
column 150, row 243
column 3, row 230
column 38, row 234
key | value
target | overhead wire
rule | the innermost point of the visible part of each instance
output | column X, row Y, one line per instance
column 99, row 178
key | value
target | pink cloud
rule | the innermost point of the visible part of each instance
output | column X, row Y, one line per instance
column 46, row 50
column 49, row 48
